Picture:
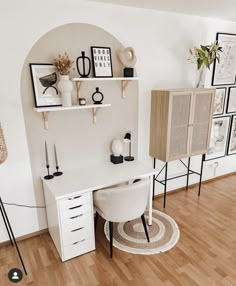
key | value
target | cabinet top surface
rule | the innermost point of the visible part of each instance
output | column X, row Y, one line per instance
column 90, row 178
column 184, row 89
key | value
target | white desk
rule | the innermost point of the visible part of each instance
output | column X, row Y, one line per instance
column 70, row 206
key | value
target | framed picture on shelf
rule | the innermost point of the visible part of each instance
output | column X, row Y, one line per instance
column 219, row 138
column 232, row 138
column 224, row 72
column 102, row 62
column 231, row 104
column 219, row 101
column 44, row 79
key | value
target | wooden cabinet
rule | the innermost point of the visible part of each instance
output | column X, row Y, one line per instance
column 180, row 122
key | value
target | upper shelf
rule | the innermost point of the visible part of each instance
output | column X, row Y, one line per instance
column 103, row 78
column 124, row 81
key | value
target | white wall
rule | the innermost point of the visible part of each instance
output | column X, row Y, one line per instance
column 161, row 41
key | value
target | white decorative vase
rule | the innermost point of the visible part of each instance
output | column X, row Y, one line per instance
column 65, row 86
column 200, row 76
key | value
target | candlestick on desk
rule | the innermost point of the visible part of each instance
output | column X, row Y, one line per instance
column 48, row 176
column 57, row 173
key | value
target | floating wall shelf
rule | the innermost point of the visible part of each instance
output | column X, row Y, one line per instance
column 45, row 110
column 124, row 82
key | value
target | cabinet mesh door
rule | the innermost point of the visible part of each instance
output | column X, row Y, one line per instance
column 179, row 125
column 202, row 115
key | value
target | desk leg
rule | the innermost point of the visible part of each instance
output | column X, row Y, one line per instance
column 150, row 203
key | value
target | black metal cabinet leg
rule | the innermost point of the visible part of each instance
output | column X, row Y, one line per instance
column 111, row 236
column 188, row 173
column 12, row 234
column 165, row 187
column 145, row 227
column 153, row 178
column 96, row 221
column 200, row 182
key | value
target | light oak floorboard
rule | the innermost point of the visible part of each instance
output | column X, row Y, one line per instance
column 204, row 256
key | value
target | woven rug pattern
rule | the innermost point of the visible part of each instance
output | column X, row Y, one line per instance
column 130, row 236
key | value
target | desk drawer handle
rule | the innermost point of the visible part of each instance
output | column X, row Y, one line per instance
column 75, row 207
column 74, row 198
column 76, row 216
column 77, row 229
column 79, row 241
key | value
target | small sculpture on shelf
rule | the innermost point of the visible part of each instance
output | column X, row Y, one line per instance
column 128, row 59
column 97, row 96
column 85, row 71
column 117, row 148
column 82, row 101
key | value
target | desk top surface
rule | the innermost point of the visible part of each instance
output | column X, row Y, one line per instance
column 92, row 178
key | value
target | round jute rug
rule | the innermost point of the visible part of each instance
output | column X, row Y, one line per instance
column 130, row 236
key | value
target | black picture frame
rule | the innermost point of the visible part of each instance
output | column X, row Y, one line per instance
column 219, row 140
column 224, row 72
column 101, row 62
column 231, row 102
column 44, row 78
column 219, row 101
column 231, row 150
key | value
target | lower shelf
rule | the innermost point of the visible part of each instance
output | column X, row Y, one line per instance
column 45, row 110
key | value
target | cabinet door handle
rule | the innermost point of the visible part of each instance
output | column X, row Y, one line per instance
column 79, row 241
column 77, row 229
column 74, row 198
column 76, row 216
column 75, row 207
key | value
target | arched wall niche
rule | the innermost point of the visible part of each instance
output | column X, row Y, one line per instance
column 79, row 142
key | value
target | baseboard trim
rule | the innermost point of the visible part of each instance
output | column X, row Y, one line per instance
column 196, row 184
column 30, row 235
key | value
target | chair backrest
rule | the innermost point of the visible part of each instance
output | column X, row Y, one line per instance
column 121, row 204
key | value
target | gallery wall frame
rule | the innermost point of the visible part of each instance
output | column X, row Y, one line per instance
column 224, row 72
column 219, row 138
column 101, row 61
column 44, row 79
column 231, row 102
column 232, row 137
column 219, row 101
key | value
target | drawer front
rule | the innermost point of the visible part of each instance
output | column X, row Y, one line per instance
column 74, row 201
column 75, row 211
column 77, row 221
column 77, row 234
column 78, row 248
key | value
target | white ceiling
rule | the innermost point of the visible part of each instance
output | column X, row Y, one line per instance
column 223, row 9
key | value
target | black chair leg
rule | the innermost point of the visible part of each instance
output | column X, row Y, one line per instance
column 145, row 227
column 96, row 220
column 111, row 236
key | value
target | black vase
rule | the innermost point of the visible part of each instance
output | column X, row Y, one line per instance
column 82, row 61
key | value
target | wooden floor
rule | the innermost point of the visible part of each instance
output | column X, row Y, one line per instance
column 205, row 254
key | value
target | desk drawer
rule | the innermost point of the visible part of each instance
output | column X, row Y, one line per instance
column 75, row 201
column 75, row 211
column 77, row 234
column 79, row 248
column 77, row 221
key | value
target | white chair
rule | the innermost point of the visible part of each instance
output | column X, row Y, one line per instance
column 122, row 204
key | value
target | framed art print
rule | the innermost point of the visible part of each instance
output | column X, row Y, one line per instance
column 102, row 62
column 231, row 104
column 219, row 101
column 224, row 71
column 232, row 138
column 44, row 79
column 219, row 137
